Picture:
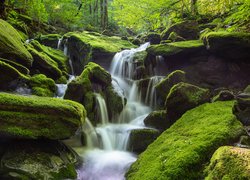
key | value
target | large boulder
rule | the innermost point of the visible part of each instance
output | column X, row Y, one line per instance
column 84, row 46
column 37, row 159
column 182, row 97
column 139, row 139
column 229, row 163
column 231, row 45
column 12, row 46
column 35, row 117
column 42, row 86
column 182, row 150
column 22, row 69
column 164, row 86
column 187, row 29
column 242, row 109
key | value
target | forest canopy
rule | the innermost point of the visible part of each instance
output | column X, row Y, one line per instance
column 138, row 16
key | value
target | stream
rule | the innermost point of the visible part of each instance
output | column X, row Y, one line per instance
column 107, row 156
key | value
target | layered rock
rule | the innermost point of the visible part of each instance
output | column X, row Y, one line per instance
column 181, row 150
column 12, row 46
column 34, row 117
column 229, row 162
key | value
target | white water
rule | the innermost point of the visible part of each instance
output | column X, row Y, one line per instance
column 109, row 160
column 61, row 88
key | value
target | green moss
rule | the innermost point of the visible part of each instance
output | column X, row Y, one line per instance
column 181, row 151
column 229, row 163
column 50, row 40
column 11, row 45
column 101, row 43
column 158, row 120
column 175, row 47
column 42, row 86
column 35, row 117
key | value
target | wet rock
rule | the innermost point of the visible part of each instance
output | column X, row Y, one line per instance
column 180, row 151
column 187, row 29
column 242, row 109
column 139, row 139
column 183, row 97
column 229, row 162
column 40, row 159
column 22, row 69
column 224, row 95
column 164, row 86
column 35, row 117
column 153, row 38
column 12, row 46
column 157, row 119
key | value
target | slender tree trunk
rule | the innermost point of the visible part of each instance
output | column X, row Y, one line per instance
column 102, row 13
column 194, row 9
column 105, row 14
column 2, row 9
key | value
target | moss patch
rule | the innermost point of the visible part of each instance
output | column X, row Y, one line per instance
column 11, row 45
column 42, row 86
column 180, row 151
column 229, row 163
column 175, row 48
column 35, row 117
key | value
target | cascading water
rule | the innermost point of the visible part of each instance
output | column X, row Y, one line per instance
column 109, row 160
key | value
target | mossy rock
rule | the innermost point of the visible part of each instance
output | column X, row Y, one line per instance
column 22, row 69
column 174, row 37
column 247, row 90
column 158, row 120
column 50, row 40
column 229, row 163
column 40, row 159
column 93, row 79
column 85, row 45
column 36, row 117
column 10, row 76
column 224, row 95
column 182, row 97
column 139, row 139
column 42, row 86
column 242, row 110
column 153, row 38
column 11, row 45
column 164, row 86
column 187, row 29
column 176, row 48
column 231, row 45
column 55, row 54
column 182, row 150
column 245, row 141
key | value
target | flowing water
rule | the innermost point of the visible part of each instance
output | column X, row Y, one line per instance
column 107, row 157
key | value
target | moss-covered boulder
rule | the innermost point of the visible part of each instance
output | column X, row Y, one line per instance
column 168, row 49
column 186, row 29
column 10, row 76
column 242, row 109
column 164, row 86
column 94, row 79
column 153, row 38
column 181, row 151
column 139, row 139
column 229, row 163
column 50, row 40
column 42, row 86
column 231, row 45
column 12, row 46
column 158, row 120
column 40, row 159
column 174, row 37
column 182, row 97
column 22, row 69
column 224, row 95
column 83, row 46
column 35, row 117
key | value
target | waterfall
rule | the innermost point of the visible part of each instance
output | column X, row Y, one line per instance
column 91, row 135
column 102, row 109
column 61, row 88
column 59, row 44
column 111, row 159
column 66, row 53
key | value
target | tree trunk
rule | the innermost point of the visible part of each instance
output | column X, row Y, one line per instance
column 105, row 14
column 194, row 9
column 102, row 13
